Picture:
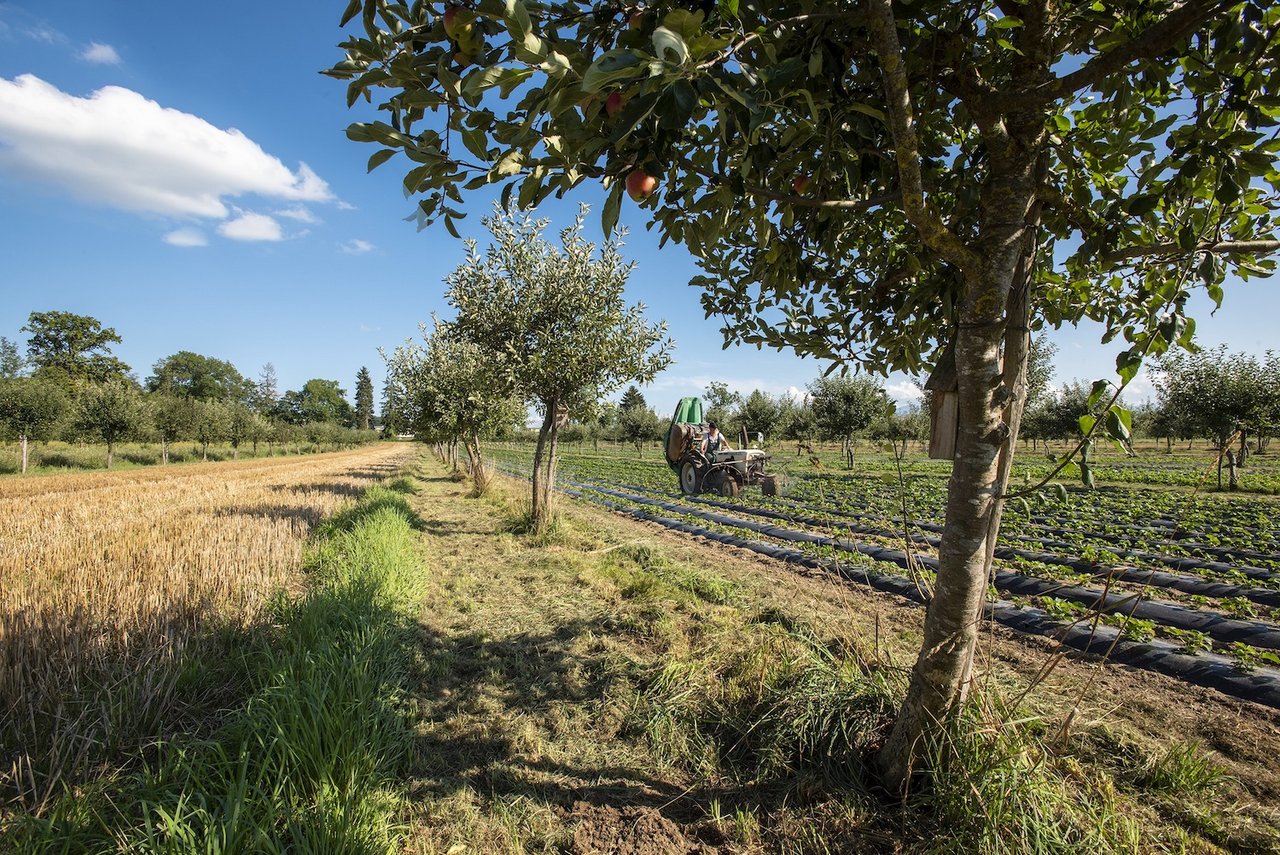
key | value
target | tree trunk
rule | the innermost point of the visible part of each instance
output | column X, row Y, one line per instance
column 111, row 447
column 535, row 510
column 550, row 485
column 204, row 451
column 235, row 451
column 23, row 440
column 164, row 451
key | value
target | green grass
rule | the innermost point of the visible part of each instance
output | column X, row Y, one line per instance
column 309, row 764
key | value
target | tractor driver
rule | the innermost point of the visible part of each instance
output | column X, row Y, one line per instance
column 714, row 441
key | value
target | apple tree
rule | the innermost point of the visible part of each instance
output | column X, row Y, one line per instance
column 554, row 324
column 453, row 395
column 30, row 409
column 888, row 185
column 111, row 411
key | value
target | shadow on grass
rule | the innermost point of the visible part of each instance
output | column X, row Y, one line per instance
column 485, row 692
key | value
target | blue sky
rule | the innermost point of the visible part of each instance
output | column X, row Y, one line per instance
column 141, row 206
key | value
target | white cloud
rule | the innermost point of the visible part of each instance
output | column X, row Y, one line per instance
column 904, row 392
column 100, row 53
column 186, row 237
column 251, row 227
column 45, row 33
column 355, row 246
column 120, row 149
column 299, row 213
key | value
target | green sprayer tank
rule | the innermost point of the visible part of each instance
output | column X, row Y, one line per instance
column 688, row 412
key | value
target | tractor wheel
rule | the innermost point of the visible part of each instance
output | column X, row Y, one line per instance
column 690, row 482
column 723, row 484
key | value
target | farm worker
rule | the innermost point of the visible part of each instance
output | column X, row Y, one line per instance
column 714, row 440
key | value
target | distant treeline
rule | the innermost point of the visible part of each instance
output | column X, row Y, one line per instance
column 70, row 387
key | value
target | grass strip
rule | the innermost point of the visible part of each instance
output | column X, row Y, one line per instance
column 310, row 763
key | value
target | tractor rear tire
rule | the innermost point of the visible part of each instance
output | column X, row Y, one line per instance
column 690, row 480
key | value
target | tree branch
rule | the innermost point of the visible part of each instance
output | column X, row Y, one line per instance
column 1225, row 247
column 794, row 200
column 906, row 146
column 1153, row 41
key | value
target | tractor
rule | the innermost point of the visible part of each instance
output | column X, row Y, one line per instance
column 725, row 473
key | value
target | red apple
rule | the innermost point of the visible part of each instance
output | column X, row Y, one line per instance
column 614, row 103
column 800, row 184
column 640, row 185
column 636, row 21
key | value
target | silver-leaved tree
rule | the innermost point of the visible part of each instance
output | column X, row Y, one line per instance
column 874, row 183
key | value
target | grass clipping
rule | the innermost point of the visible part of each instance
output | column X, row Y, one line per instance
column 309, row 763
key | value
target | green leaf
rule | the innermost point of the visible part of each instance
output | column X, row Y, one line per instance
column 518, row 23
column 666, row 43
column 476, row 142
column 1008, row 22
column 1228, row 190
column 1086, row 423
column 612, row 66
column 1118, row 423
column 1142, row 205
column 612, row 205
column 1096, row 392
column 1128, row 363
column 727, row 8
column 380, row 157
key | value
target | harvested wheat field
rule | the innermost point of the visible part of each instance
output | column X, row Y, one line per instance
column 114, row 586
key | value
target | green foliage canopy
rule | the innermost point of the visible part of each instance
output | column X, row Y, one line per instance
column 71, row 347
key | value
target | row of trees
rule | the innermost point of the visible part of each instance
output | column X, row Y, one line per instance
column 69, row 386
column 835, row 408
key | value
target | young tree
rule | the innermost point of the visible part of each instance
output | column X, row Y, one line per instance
column 209, row 424
column 1216, row 394
column 843, row 407
column 638, row 424
column 172, row 418
column 554, row 323
column 364, row 399
column 72, row 348
column 456, row 397
column 30, row 409
column 878, row 184
column 760, row 413
column 11, row 362
column 239, row 426
column 111, row 411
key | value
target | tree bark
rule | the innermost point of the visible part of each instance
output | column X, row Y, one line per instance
column 535, row 510
column 23, row 440
column 549, row 485
column 164, row 451
column 111, row 447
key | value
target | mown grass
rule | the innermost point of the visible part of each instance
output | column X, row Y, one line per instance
column 597, row 666
column 308, row 764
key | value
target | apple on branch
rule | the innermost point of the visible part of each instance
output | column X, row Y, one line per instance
column 640, row 185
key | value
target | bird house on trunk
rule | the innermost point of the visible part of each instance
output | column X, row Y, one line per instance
column 944, row 406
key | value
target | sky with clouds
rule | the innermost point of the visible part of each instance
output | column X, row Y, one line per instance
column 186, row 180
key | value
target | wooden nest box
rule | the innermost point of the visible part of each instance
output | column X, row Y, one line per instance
column 944, row 406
